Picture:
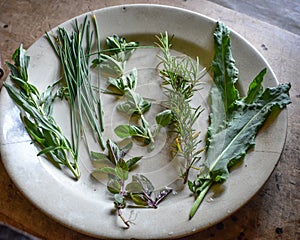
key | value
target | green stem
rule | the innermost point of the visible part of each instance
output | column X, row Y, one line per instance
column 206, row 186
column 100, row 109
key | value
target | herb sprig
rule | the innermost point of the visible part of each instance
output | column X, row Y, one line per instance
column 73, row 51
column 139, row 191
column 36, row 114
column 234, row 120
column 134, row 105
column 181, row 78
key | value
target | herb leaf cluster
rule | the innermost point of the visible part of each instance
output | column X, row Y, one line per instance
column 139, row 191
column 134, row 105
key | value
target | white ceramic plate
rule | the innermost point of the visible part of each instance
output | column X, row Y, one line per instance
column 86, row 206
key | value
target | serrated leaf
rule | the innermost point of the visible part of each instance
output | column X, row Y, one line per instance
column 235, row 121
column 229, row 138
column 224, row 69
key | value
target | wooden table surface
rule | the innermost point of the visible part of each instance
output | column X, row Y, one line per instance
column 274, row 213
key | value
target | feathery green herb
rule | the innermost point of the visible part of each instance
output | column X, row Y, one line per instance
column 181, row 78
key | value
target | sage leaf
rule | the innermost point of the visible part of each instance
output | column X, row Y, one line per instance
column 132, row 161
column 139, row 199
column 118, row 86
column 134, row 104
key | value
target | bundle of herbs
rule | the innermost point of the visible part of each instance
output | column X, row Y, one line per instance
column 73, row 51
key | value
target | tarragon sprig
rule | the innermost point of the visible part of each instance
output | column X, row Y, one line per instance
column 36, row 110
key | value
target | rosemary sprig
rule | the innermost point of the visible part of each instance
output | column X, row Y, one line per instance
column 36, row 115
column 75, row 64
column 181, row 78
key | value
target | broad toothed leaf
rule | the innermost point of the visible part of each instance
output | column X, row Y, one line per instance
column 234, row 121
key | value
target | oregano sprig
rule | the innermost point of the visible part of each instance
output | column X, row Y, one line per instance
column 124, row 85
column 139, row 191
